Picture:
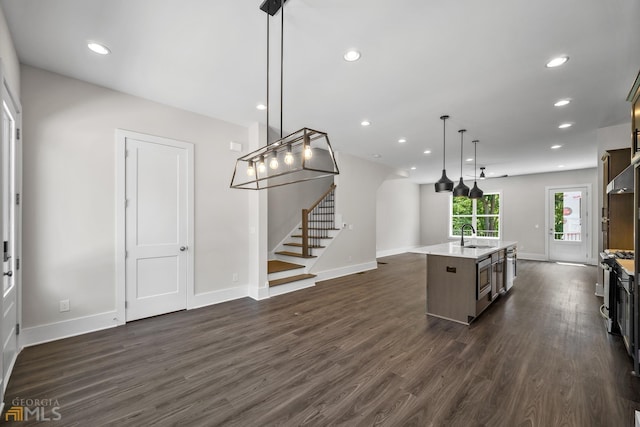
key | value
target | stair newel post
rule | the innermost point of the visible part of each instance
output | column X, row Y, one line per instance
column 305, row 233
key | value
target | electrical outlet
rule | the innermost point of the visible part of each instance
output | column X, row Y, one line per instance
column 235, row 277
column 64, row 305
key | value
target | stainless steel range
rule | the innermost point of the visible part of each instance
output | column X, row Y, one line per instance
column 608, row 263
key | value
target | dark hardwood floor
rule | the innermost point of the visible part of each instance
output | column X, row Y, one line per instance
column 357, row 350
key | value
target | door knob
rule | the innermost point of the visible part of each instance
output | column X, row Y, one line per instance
column 183, row 248
column 8, row 273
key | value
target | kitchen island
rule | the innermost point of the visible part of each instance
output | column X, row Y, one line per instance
column 462, row 281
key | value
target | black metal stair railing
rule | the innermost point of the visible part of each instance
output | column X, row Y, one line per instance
column 317, row 221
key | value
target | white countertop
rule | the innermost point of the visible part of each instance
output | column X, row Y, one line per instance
column 454, row 248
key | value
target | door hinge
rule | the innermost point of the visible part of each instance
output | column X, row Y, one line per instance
column 17, row 328
column 126, row 203
column 126, row 153
column 126, row 304
column 17, row 263
column 18, row 133
column 17, row 198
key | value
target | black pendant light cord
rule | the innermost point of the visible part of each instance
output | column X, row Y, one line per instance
column 461, row 133
column 475, row 160
column 281, row 62
column 268, row 18
column 444, row 142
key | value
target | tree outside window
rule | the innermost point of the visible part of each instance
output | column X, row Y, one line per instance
column 483, row 214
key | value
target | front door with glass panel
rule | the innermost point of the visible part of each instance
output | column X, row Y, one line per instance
column 567, row 224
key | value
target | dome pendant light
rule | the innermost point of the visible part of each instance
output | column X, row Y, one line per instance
column 475, row 192
column 444, row 183
column 461, row 190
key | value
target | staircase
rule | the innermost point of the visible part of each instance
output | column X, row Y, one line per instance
column 293, row 259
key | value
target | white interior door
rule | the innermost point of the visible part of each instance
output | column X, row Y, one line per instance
column 158, row 212
column 568, row 226
column 10, row 235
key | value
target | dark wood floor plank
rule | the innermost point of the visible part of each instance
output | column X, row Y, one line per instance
column 356, row 350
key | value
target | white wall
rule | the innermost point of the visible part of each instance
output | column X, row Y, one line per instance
column 397, row 217
column 11, row 66
column 69, row 195
column 523, row 209
column 354, row 249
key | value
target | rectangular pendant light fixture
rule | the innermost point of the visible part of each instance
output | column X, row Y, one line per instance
column 301, row 156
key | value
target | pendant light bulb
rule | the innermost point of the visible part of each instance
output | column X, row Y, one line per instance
column 482, row 175
column 461, row 190
column 475, row 192
column 273, row 163
column 307, row 152
column 444, row 183
column 251, row 170
column 261, row 167
column 288, row 158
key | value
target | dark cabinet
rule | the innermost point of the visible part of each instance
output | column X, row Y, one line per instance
column 617, row 209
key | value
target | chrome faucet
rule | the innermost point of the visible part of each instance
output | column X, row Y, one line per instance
column 473, row 230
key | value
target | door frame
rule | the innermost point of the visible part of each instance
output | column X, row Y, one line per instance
column 121, row 136
column 7, row 94
column 587, row 219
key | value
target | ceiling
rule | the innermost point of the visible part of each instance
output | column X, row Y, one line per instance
column 485, row 67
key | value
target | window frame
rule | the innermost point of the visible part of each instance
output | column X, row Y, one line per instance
column 474, row 216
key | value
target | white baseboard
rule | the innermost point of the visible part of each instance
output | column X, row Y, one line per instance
column 532, row 256
column 216, row 297
column 258, row 293
column 67, row 328
column 345, row 271
column 637, row 418
column 397, row 251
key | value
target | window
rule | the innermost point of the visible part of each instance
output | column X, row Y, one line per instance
column 567, row 216
column 483, row 214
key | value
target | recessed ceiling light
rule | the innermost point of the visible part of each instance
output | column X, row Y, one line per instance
column 556, row 62
column 562, row 103
column 427, row 152
column 351, row 55
column 413, row 168
column 365, row 123
column 560, row 166
column 402, row 140
column 98, row 48
column 377, row 156
column 555, row 147
column 261, row 107
column 565, row 125
column 470, row 160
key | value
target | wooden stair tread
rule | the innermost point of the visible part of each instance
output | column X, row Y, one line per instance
column 276, row 266
column 299, row 245
column 287, row 253
column 291, row 279
column 299, row 236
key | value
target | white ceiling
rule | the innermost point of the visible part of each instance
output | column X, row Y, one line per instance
column 483, row 63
